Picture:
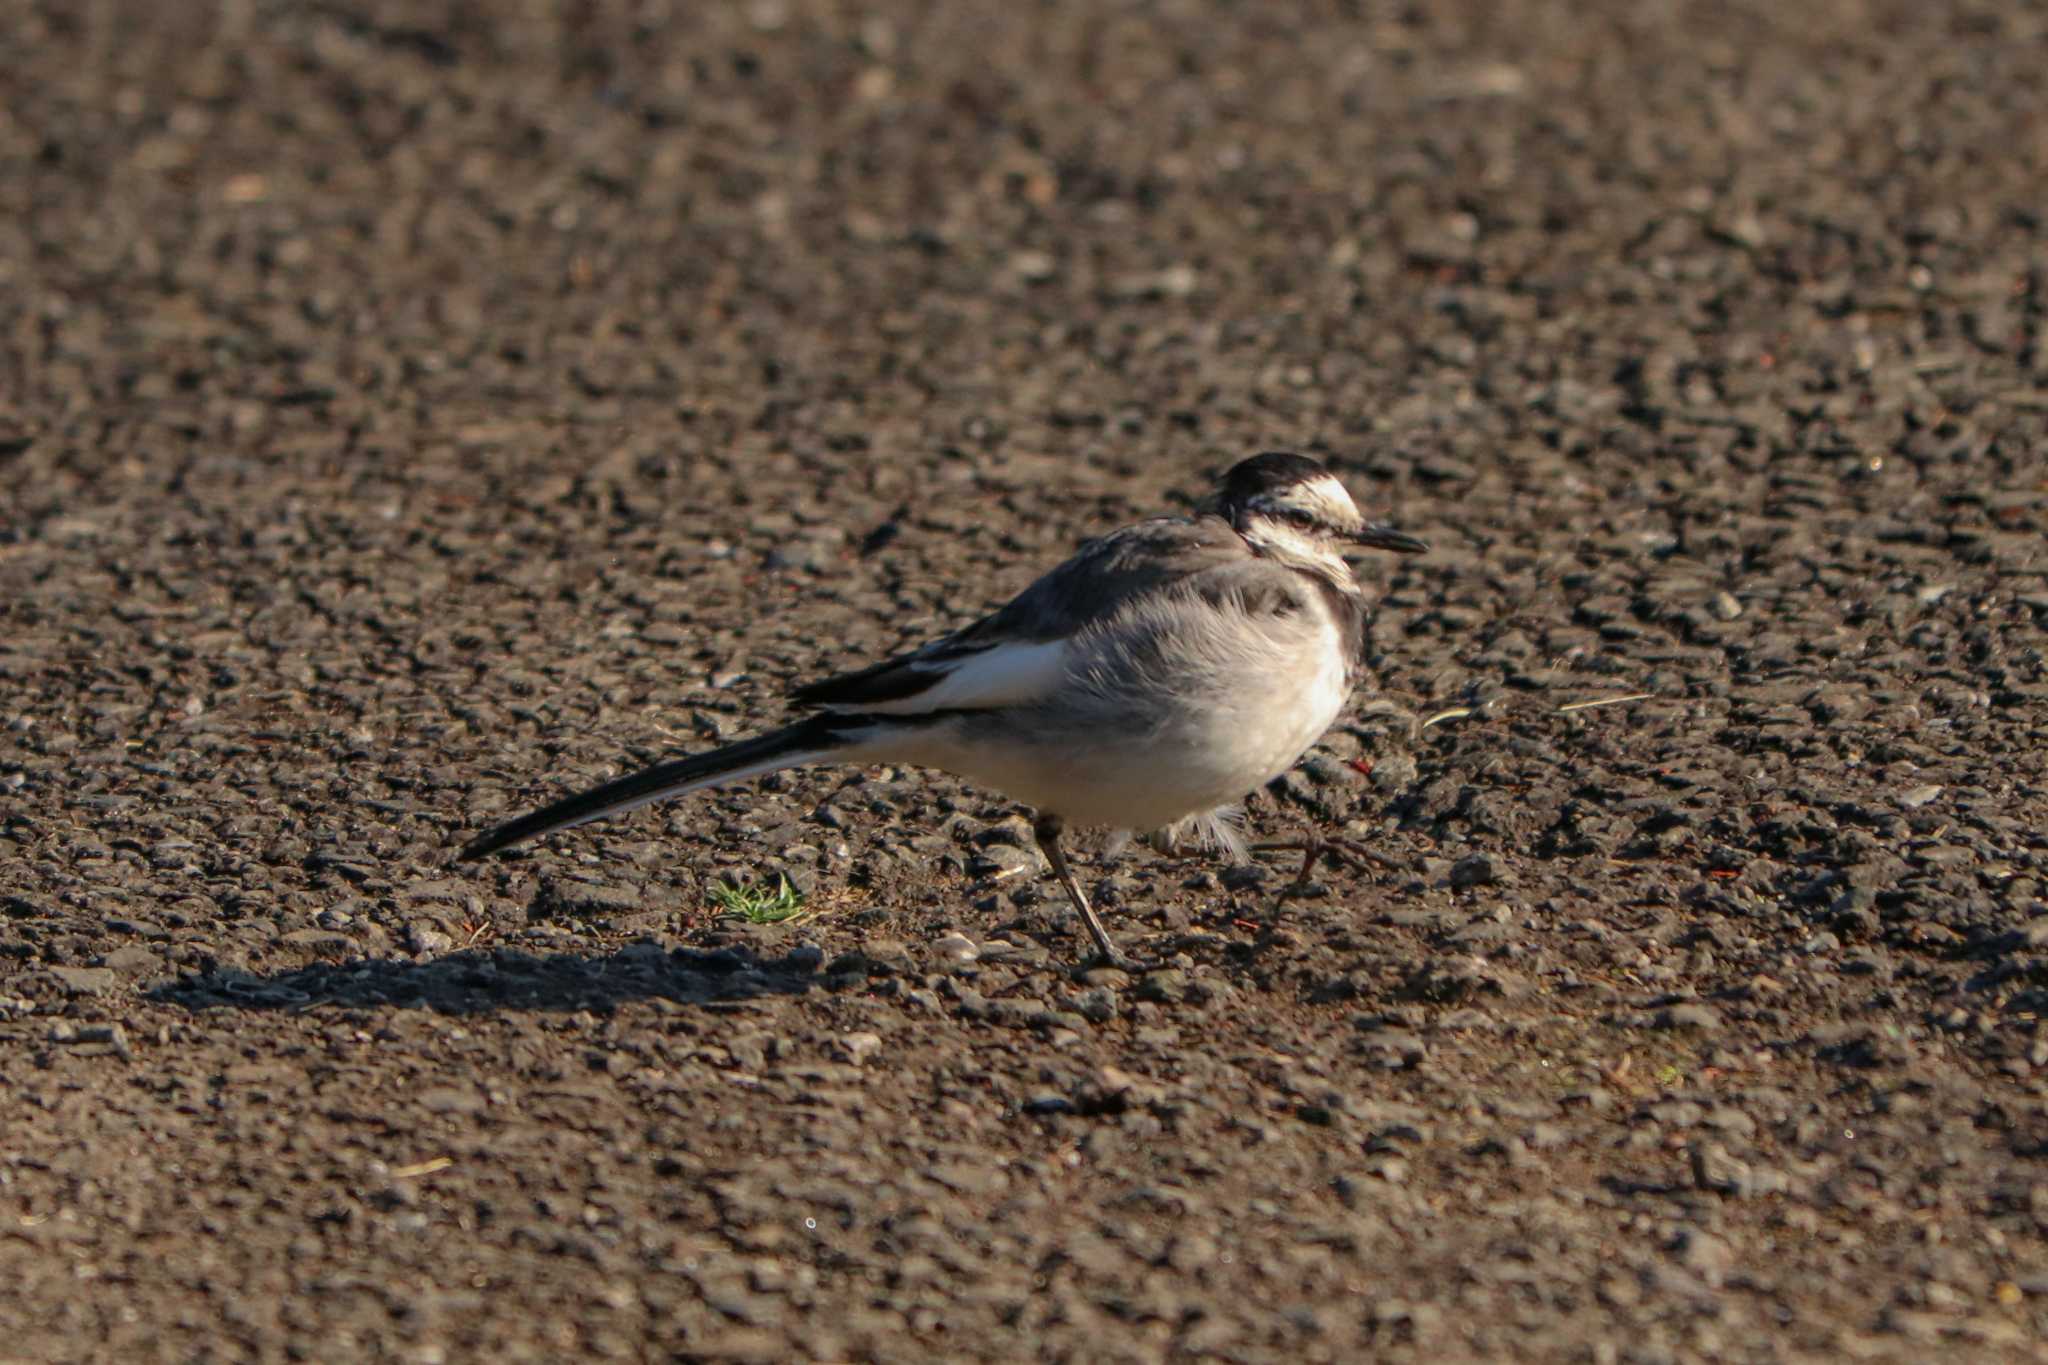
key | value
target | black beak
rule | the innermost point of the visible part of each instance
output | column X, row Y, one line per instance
column 1387, row 538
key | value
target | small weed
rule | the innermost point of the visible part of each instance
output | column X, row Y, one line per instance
column 759, row 904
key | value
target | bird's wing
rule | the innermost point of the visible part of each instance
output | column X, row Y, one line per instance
column 1018, row 654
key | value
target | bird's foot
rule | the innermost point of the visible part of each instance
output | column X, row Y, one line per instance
column 1313, row 849
column 1121, row 961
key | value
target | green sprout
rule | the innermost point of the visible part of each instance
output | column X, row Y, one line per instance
column 759, row 904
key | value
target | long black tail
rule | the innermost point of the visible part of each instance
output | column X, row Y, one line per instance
column 809, row 740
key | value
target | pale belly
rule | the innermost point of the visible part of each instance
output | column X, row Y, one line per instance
column 1146, row 760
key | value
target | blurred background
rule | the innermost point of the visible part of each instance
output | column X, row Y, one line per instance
column 561, row 284
column 473, row 250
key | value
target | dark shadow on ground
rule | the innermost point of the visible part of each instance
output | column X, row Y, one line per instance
column 482, row 980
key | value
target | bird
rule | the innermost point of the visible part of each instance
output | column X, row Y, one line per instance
column 1156, row 678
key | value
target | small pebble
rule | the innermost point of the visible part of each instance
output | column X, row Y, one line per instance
column 1475, row 870
column 856, row 1048
column 957, row 948
column 1699, row 1018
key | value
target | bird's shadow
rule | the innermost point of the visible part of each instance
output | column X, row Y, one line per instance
column 476, row 981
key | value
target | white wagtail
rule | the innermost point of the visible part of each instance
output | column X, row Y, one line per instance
column 1162, row 673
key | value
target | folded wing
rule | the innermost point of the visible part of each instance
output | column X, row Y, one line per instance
column 1018, row 655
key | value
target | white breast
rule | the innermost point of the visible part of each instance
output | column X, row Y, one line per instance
column 1173, row 713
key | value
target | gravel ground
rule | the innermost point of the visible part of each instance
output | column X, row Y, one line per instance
column 409, row 411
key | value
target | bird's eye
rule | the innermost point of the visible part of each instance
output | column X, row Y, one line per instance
column 1294, row 516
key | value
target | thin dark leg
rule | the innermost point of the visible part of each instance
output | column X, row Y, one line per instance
column 1047, row 828
column 1310, row 856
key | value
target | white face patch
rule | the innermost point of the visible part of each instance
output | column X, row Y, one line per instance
column 1330, row 500
column 1324, row 500
column 1270, row 535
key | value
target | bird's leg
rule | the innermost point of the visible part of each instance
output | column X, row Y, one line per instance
column 1047, row 829
column 1312, row 852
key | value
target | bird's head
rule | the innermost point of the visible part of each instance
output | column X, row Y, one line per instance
column 1290, row 504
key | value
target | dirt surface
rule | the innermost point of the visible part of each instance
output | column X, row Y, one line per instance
column 410, row 412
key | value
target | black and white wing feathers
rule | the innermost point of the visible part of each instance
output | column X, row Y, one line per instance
column 1018, row 654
